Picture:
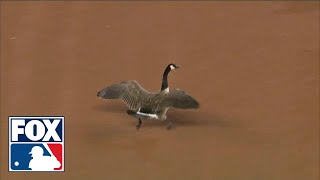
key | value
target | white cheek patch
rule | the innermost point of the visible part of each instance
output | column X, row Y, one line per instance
column 172, row 67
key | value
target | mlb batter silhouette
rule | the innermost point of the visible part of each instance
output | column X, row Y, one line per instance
column 40, row 162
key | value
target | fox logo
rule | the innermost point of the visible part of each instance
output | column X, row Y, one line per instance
column 36, row 143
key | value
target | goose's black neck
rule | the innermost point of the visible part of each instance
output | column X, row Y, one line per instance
column 165, row 78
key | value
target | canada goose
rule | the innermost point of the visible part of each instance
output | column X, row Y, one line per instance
column 148, row 105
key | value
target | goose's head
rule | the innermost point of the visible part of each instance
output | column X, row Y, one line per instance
column 169, row 68
column 173, row 66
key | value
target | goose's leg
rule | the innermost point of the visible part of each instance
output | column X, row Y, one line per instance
column 139, row 124
column 170, row 125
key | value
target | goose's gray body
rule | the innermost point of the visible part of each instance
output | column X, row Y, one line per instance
column 149, row 105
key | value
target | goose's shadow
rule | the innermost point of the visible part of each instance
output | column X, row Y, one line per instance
column 177, row 117
column 190, row 118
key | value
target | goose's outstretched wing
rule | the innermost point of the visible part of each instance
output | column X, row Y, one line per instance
column 130, row 92
column 180, row 99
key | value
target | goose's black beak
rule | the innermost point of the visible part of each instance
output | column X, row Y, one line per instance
column 177, row 67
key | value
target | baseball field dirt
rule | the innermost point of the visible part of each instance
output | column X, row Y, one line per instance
column 253, row 66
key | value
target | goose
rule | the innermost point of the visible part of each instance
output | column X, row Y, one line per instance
column 143, row 104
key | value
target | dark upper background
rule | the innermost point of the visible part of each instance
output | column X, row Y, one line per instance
column 254, row 67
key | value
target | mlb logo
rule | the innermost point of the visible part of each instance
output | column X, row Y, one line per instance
column 36, row 143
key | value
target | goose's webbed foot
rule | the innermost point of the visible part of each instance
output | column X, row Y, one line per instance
column 170, row 125
column 139, row 124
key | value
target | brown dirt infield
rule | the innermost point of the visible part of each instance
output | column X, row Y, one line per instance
column 253, row 66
